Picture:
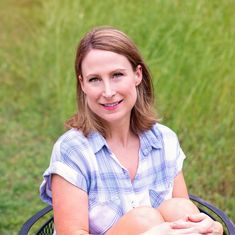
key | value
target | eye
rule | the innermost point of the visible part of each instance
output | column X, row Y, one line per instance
column 117, row 74
column 93, row 79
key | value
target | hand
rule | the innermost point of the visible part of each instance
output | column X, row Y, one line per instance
column 161, row 229
column 215, row 227
column 199, row 223
column 167, row 229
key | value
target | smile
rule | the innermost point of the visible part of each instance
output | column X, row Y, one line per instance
column 111, row 105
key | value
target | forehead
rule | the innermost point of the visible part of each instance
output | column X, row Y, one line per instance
column 97, row 61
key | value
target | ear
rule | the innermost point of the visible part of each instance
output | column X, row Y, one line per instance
column 138, row 75
column 81, row 83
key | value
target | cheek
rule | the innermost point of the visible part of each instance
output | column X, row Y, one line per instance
column 130, row 90
column 91, row 101
column 91, row 98
column 128, row 86
column 90, row 92
column 134, row 95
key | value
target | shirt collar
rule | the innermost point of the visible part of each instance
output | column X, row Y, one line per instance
column 97, row 141
column 150, row 139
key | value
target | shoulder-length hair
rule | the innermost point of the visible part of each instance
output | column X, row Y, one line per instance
column 142, row 114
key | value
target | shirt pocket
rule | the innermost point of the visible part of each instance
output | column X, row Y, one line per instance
column 103, row 214
column 159, row 194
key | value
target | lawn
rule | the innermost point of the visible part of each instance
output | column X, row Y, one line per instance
column 189, row 47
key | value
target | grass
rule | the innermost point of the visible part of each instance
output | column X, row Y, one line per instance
column 189, row 47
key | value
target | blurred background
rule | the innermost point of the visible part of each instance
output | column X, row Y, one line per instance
column 189, row 47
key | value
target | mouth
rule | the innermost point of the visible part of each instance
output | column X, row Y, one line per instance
column 111, row 105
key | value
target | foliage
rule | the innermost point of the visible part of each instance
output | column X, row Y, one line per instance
column 189, row 47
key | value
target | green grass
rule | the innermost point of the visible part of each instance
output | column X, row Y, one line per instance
column 189, row 47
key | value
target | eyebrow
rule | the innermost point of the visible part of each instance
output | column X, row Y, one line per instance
column 114, row 71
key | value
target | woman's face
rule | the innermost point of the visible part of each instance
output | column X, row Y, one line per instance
column 109, row 84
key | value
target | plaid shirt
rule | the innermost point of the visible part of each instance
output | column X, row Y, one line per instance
column 89, row 164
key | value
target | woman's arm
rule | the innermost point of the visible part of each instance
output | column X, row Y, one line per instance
column 70, row 206
column 200, row 221
column 180, row 188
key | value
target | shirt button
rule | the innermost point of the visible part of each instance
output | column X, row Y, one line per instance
column 145, row 151
column 133, row 204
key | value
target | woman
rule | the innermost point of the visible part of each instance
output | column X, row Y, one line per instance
column 118, row 171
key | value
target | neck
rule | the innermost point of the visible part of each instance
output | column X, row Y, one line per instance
column 119, row 134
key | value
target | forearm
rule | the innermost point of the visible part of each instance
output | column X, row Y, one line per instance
column 76, row 232
column 136, row 221
column 217, row 228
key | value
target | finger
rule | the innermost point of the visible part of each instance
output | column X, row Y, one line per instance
column 182, row 224
column 191, row 231
column 197, row 217
column 203, row 221
column 194, row 233
column 200, row 227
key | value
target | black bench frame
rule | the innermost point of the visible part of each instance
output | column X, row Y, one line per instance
column 47, row 227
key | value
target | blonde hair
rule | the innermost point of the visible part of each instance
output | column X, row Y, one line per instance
column 142, row 114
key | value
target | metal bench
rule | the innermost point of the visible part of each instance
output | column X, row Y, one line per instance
column 42, row 222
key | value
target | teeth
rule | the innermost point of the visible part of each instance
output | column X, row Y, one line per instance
column 111, row 105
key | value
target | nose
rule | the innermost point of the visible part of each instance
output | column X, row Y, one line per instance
column 109, row 90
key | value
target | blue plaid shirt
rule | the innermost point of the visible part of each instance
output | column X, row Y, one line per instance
column 89, row 164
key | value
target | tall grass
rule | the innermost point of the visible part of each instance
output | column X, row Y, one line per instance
column 189, row 47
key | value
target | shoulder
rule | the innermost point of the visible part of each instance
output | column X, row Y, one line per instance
column 71, row 143
column 163, row 131
column 170, row 141
column 159, row 136
column 70, row 135
column 74, row 143
column 167, row 136
column 71, row 138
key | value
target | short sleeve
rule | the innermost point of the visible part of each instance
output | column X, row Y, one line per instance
column 68, row 161
column 180, row 156
column 174, row 155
